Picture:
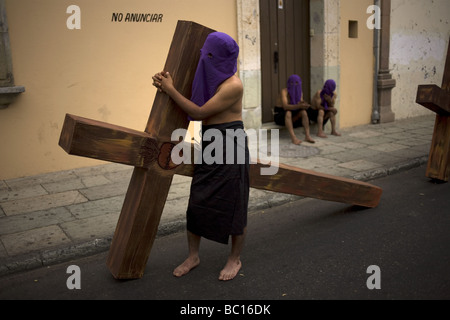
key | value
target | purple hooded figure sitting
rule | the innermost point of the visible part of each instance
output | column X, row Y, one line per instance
column 219, row 195
column 293, row 112
column 324, row 103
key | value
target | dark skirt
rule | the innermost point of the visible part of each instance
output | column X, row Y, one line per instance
column 218, row 201
column 280, row 115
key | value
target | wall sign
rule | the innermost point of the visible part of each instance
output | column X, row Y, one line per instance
column 137, row 17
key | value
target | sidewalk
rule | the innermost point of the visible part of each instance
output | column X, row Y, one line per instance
column 56, row 217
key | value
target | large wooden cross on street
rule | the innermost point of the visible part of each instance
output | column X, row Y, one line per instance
column 150, row 153
column 438, row 100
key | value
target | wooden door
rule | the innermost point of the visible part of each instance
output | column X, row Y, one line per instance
column 285, row 49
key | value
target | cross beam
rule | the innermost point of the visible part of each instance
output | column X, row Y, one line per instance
column 438, row 100
column 150, row 153
column 100, row 140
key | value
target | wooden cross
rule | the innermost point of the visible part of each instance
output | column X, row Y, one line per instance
column 438, row 100
column 150, row 153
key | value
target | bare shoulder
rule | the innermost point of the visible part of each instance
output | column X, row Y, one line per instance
column 316, row 96
column 232, row 85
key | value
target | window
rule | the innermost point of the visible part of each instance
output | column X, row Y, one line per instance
column 6, row 78
column 353, row 29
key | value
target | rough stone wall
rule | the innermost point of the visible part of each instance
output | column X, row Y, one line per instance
column 420, row 31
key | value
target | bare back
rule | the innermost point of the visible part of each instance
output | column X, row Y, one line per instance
column 234, row 90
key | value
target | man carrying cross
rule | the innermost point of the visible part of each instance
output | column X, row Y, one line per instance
column 219, row 192
column 150, row 154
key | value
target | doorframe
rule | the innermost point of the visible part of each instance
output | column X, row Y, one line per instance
column 325, row 28
column 249, row 63
column 286, row 34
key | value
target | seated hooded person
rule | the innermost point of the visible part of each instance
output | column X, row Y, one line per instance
column 294, row 111
column 323, row 104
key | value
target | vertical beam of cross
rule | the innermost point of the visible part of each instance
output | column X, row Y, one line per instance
column 438, row 100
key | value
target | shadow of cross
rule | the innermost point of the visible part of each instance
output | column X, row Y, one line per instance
column 438, row 100
column 150, row 153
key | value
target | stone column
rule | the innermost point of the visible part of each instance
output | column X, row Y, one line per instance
column 385, row 81
column 250, row 60
column 325, row 44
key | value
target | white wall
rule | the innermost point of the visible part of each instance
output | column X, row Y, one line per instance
column 420, row 31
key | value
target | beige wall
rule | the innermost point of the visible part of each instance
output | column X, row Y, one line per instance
column 356, row 61
column 102, row 71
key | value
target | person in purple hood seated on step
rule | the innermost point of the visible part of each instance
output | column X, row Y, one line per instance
column 294, row 112
column 219, row 195
column 324, row 103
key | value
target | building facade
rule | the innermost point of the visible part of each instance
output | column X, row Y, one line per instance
column 96, row 58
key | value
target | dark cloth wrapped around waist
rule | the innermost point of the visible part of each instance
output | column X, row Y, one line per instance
column 220, row 186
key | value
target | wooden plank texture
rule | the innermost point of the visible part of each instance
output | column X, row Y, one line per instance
column 127, row 145
column 99, row 140
column 439, row 160
column 307, row 183
column 301, row 182
column 438, row 100
column 434, row 98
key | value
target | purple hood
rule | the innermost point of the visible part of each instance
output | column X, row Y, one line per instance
column 328, row 88
column 294, row 87
column 218, row 62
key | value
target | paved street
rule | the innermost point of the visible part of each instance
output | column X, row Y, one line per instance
column 307, row 249
column 58, row 216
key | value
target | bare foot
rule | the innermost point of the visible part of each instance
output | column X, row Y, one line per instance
column 322, row 135
column 310, row 140
column 335, row 133
column 186, row 266
column 230, row 270
column 296, row 141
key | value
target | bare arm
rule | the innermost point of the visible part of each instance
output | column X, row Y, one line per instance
column 331, row 100
column 291, row 107
column 225, row 97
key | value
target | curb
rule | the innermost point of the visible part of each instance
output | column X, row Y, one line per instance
column 50, row 257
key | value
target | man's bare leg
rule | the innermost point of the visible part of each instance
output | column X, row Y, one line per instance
column 320, row 119
column 290, row 126
column 305, row 123
column 193, row 259
column 234, row 263
column 333, row 124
